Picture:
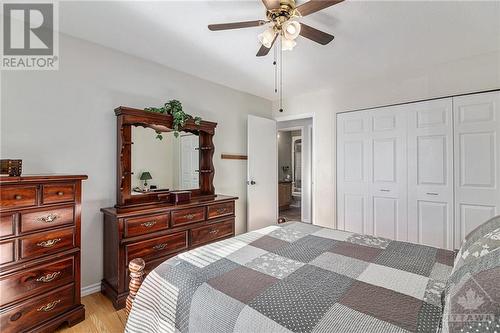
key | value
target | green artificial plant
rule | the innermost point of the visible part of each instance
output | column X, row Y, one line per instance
column 174, row 108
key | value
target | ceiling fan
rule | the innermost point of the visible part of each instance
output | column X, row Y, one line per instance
column 282, row 16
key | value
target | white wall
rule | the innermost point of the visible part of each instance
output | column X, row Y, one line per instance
column 464, row 75
column 63, row 122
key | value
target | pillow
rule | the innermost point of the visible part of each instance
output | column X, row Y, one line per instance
column 473, row 237
column 472, row 292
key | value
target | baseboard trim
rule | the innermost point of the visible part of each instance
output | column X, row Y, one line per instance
column 92, row 289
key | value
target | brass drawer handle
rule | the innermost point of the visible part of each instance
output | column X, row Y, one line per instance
column 49, row 243
column 18, row 197
column 213, row 231
column 60, row 193
column 148, row 224
column 221, row 210
column 160, row 246
column 48, row 277
column 189, row 216
column 49, row 306
column 49, row 218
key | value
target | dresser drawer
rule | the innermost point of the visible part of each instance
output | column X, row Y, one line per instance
column 47, row 243
column 54, row 193
column 36, row 310
column 47, row 218
column 7, row 252
column 211, row 232
column 157, row 247
column 18, row 196
column 190, row 215
column 36, row 280
column 145, row 224
column 7, row 225
column 219, row 210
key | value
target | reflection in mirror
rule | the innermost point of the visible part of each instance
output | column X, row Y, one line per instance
column 168, row 164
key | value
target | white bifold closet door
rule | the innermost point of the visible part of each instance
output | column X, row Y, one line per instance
column 430, row 173
column 477, row 158
column 372, row 177
column 425, row 172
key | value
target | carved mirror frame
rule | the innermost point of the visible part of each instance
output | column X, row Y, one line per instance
column 126, row 118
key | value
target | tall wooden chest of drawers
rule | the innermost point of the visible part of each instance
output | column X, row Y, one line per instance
column 158, row 233
column 40, row 252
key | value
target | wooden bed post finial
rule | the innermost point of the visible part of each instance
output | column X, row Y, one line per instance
column 136, row 268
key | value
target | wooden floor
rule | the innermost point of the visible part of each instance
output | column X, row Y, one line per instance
column 100, row 317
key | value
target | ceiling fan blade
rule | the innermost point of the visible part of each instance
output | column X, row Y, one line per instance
column 315, row 35
column 271, row 4
column 236, row 25
column 264, row 50
column 313, row 6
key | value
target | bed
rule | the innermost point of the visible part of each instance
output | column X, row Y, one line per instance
column 297, row 277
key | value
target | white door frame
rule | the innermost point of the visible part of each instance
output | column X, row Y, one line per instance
column 313, row 150
column 291, row 129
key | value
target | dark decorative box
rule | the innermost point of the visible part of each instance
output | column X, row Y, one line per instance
column 177, row 197
column 11, row 167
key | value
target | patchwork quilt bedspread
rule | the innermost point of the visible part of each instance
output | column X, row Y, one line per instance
column 296, row 277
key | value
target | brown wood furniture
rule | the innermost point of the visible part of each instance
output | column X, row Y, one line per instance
column 284, row 194
column 151, row 226
column 128, row 117
column 40, row 252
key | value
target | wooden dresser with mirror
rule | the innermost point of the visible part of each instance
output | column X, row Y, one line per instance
column 146, row 222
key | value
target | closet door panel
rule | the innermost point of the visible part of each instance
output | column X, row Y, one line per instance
column 433, row 221
column 477, row 154
column 385, row 217
column 388, row 204
column 352, row 171
column 354, row 212
column 430, row 173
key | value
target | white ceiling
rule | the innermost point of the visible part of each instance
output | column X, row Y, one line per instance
column 372, row 39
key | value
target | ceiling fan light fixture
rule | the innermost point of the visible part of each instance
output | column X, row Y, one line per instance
column 287, row 44
column 291, row 29
column 266, row 38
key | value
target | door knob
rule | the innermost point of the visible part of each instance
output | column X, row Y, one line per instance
column 251, row 182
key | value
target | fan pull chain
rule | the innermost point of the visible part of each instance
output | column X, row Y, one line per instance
column 275, row 68
column 281, row 75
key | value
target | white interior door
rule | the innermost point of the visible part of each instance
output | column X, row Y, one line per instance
column 387, row 211
column 477, row 158
column 430, row 173
column 353, row 169
column 371, row 172
column 262, row 179
column 189, row 162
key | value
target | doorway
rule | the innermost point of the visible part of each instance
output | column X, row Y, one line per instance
column 295, row 170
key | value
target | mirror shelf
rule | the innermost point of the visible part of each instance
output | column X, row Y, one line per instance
column 131, row 160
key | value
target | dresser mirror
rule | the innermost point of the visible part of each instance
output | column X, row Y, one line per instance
column 150, row 168
column 164, row 162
